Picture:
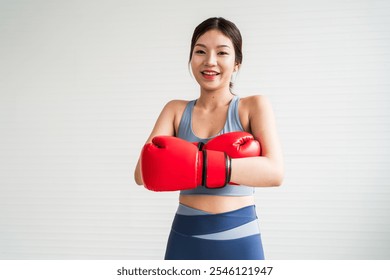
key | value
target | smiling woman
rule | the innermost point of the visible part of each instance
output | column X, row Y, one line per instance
column 236, row 149
column 227, row 43
column 213, row 60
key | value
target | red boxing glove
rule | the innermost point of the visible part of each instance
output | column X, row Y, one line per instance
column 238, row 144
column 170, row 163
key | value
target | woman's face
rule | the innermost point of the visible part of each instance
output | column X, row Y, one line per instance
column 213, row 61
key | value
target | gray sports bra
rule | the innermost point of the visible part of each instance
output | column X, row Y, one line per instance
column 232, row 124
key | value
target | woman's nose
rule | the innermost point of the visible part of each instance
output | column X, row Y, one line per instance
column 211, row 59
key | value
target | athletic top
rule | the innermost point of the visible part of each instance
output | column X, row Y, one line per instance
column 232, row 124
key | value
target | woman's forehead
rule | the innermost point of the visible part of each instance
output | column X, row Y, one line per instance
column 214, row 38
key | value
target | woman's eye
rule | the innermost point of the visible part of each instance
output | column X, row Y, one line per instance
column 223, row 53
column 200, row 52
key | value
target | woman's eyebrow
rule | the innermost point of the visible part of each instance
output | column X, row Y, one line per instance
column 219, row 46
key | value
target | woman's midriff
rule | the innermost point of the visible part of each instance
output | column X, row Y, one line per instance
column 216, row 204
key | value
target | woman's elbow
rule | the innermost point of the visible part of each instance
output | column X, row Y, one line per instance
column 138, row 179
column 278, row 182
column 138, row 182
column 278, row 178
column 272, row 179
column 269, row 180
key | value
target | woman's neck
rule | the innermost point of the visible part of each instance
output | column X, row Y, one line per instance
column 214, row 99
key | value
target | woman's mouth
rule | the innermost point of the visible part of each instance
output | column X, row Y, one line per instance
column 210, row 75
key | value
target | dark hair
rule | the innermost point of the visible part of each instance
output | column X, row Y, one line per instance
column 228, row 28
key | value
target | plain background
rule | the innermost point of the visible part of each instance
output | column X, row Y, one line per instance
column 82, row 83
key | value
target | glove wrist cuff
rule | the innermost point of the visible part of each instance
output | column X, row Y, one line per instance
column 216, row 169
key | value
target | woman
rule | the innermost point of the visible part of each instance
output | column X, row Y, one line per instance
column 216, row 218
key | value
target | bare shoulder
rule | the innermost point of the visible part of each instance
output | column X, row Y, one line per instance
column 176, row 108
column 254, row 103
column 251, row 109
column 167, row 121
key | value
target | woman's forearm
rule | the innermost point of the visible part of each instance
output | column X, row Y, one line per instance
column 257, row 172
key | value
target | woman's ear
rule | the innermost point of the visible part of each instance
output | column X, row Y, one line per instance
column 236, row 67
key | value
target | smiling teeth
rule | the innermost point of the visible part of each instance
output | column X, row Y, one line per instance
column 210, row 73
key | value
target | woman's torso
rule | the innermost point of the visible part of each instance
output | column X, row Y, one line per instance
column 201, row 125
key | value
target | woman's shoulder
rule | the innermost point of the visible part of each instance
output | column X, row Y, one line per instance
column 254, row 102
column 176, row 109
column 177, row 102
column 254, row 98
column 176, row 105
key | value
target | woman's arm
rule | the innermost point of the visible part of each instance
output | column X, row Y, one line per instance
column 165, row 125
column 268, row 169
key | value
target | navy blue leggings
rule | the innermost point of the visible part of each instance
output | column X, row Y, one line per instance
column 198, row 235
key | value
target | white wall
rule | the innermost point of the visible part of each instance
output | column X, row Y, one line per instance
column 82, row 82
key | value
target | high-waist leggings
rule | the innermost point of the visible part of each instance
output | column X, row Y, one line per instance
column 198, row 235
